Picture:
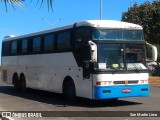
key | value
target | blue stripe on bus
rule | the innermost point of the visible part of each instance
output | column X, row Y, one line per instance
column 109, row 92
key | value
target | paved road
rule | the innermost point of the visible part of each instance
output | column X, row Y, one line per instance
column 35, row 100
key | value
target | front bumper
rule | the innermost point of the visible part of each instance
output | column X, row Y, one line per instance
column 109, row 92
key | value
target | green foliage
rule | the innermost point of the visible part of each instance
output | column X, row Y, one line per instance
column 147, row 15
column 13, row 3
column 20, row 3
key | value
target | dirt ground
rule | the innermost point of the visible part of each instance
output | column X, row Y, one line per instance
column 154, row 80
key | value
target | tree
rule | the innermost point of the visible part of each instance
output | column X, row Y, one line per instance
column 21, row 3
column 147, row 15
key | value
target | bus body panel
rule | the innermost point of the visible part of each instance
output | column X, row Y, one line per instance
column 39, row 60
column 48, row 71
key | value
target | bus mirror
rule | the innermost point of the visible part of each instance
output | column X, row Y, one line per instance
column 153, row 52
column 86, row 64
column 86, row 69
column 93, row 47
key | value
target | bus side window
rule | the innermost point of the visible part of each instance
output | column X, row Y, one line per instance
column 5, row 48
column 36, row 44
column 81, row 43
column 14, row 47
column 49, row 42
column 24, row 46
column 64, row 39
column 82, row 36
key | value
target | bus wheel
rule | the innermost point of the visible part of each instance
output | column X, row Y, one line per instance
column 69, row 90
column 22, row 84
column 16, row 82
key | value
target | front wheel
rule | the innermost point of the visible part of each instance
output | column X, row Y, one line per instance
column 69, row 91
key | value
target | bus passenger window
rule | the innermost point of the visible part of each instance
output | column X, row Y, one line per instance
column 24, row 47
column 64, row 39
column 36, row 44
column 14, row 47
column 5, row 48
column 49, row 42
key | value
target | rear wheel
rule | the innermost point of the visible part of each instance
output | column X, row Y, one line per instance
column 16, row 82
column 22, row 84
column 69, row 91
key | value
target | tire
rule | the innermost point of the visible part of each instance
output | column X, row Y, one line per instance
column 16, row 82
column 23, row 84
column 69, row 91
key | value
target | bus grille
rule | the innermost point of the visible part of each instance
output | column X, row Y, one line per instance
column 123, row 82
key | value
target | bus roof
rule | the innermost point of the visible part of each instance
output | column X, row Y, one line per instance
column 110, row 24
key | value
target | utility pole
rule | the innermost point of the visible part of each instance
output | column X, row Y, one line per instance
column 130, row 3
column 100, row 9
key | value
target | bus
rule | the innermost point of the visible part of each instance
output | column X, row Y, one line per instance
column 94, row 59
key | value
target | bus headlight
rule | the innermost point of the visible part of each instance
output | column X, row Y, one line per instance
column 143, row 81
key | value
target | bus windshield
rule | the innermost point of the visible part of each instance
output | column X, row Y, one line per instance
column 107, row 34
column 121, row 57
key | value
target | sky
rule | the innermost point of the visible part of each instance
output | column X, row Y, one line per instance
column 32, row 18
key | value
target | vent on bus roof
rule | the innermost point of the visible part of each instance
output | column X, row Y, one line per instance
column 9, row 36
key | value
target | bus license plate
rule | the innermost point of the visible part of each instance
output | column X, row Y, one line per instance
column 127, row 90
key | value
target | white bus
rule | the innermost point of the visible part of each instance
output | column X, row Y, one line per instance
column 94, row 59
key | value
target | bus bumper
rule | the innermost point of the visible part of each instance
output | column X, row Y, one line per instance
column 110, row 92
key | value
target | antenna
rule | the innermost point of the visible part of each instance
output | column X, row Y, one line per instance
column 49, row 23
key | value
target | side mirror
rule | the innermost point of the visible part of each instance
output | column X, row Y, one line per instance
column 86, row 70
column 86, row 65
column 93, row 47
column 154, row 51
